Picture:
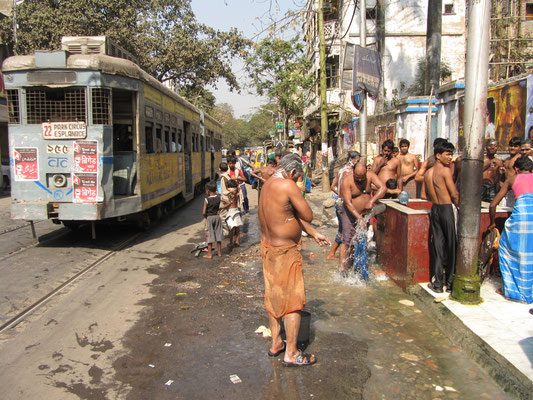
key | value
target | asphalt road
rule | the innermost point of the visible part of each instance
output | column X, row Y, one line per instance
column 155, row 322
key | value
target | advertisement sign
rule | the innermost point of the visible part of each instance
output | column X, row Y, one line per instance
column 85, row 188
column 509, row 111
column 86, row 156
column 272, row 133
column 64, row 130
column 366, row 71
column 26, row 164
column 280, row 127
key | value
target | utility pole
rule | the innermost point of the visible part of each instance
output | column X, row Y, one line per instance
column 466, row 286
column 323, row 98
column 433, row 46
column 362, row 119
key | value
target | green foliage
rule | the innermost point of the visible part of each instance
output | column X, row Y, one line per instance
column 251, row 130
column 279, row 70
column 163, row 34
column 419, row 84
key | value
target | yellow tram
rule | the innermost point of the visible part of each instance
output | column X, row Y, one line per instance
column 92, row 136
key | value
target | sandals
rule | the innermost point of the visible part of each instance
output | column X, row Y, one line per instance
column 277, row 353
column 302, row 360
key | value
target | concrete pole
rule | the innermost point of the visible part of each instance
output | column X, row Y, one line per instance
column 466, row 286
column 433, row 45
column 323, row 97
column 362, row 118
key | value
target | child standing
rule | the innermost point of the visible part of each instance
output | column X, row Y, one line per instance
column 233, row 218
column 214, row 223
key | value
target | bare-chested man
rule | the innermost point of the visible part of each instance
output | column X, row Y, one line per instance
column 491, row 172
column 525, row 149
column 283, row 213
column 387, row 167
column 352, row 158
column 426, row 165
column 409, row 167
column 443, row 240
column 508, row 170
column 355, row 192
column 264, row 173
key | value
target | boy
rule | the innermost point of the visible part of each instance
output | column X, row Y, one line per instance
column 214, row 223
column 409, row 167
column 441, row 191
column 233, row 218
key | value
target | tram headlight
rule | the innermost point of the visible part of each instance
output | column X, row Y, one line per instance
column 59, row 180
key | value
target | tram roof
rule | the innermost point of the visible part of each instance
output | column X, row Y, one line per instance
column 103, row 63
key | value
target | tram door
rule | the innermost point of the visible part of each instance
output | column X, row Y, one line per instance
column 188, row 156
column 124, row 155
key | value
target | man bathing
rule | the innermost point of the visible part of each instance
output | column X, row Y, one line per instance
column 351, row 159
column 355, row 192
column 283, row 213
column 408, row 167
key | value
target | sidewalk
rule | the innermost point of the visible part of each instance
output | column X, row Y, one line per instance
column 497, row 334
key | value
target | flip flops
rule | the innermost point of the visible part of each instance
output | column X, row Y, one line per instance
column 302, row 360
column 277, row 353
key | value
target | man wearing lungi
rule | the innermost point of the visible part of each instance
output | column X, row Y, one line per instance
column 491, row 172
column 351, row 159
column 442, row 192
column 355, row 191
column 283, row 213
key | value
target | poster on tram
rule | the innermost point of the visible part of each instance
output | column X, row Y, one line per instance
column 26, row 164
column 85, row 156
column 85, row 188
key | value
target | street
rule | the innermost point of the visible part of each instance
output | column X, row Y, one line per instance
column 152, row 321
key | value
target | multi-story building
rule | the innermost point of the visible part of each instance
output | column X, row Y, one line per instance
column 397, row 30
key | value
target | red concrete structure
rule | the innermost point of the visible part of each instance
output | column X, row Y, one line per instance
column 402, row 239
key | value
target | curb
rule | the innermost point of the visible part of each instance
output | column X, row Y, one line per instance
column 504, row 373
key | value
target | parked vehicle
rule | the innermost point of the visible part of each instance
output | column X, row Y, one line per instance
column 94, row 137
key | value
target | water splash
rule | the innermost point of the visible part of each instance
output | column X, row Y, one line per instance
column 360, row 254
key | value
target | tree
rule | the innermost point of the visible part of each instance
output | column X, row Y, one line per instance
column 419, row 84
column 164, row 35
column 279, row 69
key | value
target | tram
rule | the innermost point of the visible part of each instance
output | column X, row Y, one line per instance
column 94, row 137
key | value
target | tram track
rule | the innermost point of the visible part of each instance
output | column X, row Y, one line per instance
column 14, row 228
column 15, row 320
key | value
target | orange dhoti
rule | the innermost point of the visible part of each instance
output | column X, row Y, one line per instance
column 284, row 280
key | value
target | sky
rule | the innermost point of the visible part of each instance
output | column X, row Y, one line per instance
column 246, row 16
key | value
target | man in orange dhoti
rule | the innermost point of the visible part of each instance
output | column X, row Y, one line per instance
column 283, row 214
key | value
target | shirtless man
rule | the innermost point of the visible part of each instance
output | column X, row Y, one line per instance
column 264, row 173
column 443, row 241
column 426, row 165
column 491, row 172
column 409, row 165
column 387, row 167
column 525, row 149
column 352, row 158
column 355, row 192
column 283, row 213
column 514, row 153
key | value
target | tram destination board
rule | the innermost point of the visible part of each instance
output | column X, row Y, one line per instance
column 64, row 130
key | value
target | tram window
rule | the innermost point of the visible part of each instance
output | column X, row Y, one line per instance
column 172, row 145
column 13, row 106
column 180, row 141
column 55, row 105
column 101, row 105
column 149, row 136
column 158, row 141
column 167, row 140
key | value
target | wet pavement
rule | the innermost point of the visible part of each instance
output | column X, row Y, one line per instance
column 197, row 330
